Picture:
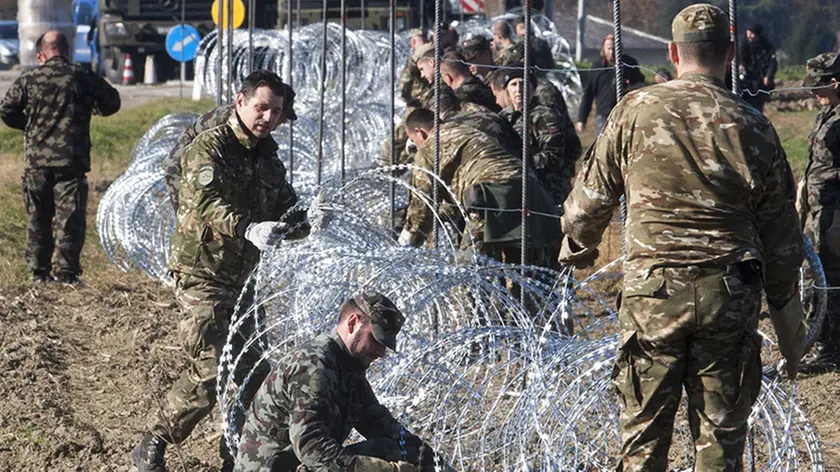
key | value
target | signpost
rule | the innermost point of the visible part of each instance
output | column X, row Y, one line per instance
column 182, row 45
column 238, row 13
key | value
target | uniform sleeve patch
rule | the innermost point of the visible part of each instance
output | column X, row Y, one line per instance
column 206, row 175
column 318, row 382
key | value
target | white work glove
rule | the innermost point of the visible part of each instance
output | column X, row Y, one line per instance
column 789, row 323
column 407, row 238
column 832, row 235
column 319, row 214
column 266, row 234
column 410, row 147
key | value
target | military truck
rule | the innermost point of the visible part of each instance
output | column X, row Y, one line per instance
column 139, row 27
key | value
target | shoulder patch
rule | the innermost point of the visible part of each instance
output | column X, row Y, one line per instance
column 206, row 175
column 318, row 382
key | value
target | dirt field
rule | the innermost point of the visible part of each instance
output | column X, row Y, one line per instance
column 82, row 367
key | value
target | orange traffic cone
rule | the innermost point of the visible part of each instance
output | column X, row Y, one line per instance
column 128, row 71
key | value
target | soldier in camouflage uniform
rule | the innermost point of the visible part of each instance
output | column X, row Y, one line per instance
column 758, row 67
column 546, row 137
column 822, row 203
column 482, row 176
column 232, row 194
column 710, row 216
column 468, row 88
column 540, row 49
column 53, row 104
column 479, row 118
column 505, row 48
column 478, row 52
column 317, row 394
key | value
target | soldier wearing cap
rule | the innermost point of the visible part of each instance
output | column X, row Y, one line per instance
column 757, row 71
column 821, row 206
column 710, row 222
column 478, row 52
column 309, row 403
column 232, row 194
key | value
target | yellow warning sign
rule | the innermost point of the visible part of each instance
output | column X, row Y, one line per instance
column 238, row 13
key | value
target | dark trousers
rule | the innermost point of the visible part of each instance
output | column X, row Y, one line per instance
column 60, row 194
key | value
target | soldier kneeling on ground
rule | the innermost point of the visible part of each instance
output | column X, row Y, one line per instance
column 306, row 408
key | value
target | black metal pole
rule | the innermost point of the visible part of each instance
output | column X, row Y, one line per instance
column 291, row 80
column 220, row 50
column 364, row 14
column 230, row 93
column 438, row 54
column 251, row 19
column 392, row 31
column 525, row 96
column 733, row 36
column 343, row 88
column 323, row 79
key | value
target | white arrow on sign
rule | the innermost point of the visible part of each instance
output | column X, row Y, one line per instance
column 179, row 45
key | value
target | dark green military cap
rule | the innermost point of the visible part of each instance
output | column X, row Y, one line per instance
column 820, row 69
column 473, row 46
column 386, row 318
column 289, row 102
column 700, row 22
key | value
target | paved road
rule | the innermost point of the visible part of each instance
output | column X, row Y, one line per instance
column 132, row 95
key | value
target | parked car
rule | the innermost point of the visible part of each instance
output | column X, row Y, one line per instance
column 9, row 43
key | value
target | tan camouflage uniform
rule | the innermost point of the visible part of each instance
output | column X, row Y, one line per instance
column 228, row 181
column 710, row 200
column 822, row 186
column 480, row 118
column 473, row 90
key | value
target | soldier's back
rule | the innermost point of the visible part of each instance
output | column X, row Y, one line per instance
column 492, row 124
column 695, row 159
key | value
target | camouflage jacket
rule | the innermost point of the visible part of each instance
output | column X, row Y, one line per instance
column 473, row 90
column 53, row 104
column 546, row 143
column 467, row 157
column 172, row 162
column 309, row 404
column 705, row 179
column 412, row 84
column 227, row 182
column 549, row 96
column 494, row 125
column 822, row 176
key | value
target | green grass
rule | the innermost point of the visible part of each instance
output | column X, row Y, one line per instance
column 112, row 139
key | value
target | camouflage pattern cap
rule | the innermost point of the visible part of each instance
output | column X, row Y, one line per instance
column 820, row 69
column 700, row 22
column 471, row 47
column 387, row 319
column 415, row 32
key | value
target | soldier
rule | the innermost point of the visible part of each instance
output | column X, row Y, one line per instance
column 757, row 71
column 478, row 52
column 504, row 44
column 53, row 104
column 540, row 49
column 481, row 119
column 412, row 84
column 710, row 216
column 545, row 134
column 482, row 177
column 468, row 88
column 233, row 193
column 822, row 212
column 306, row 408
column 496, row 81
column 600, row 85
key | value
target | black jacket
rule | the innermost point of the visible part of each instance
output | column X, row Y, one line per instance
column 601, row 87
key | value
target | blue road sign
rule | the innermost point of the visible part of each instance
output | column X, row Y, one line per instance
column 182, row 43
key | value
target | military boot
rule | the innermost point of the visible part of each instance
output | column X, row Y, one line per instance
column 147, row 455
column 824, row 357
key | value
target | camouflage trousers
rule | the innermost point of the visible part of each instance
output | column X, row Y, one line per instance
column 60, row 194
column 687, row 327
column 207, row 311
column 287, row 461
